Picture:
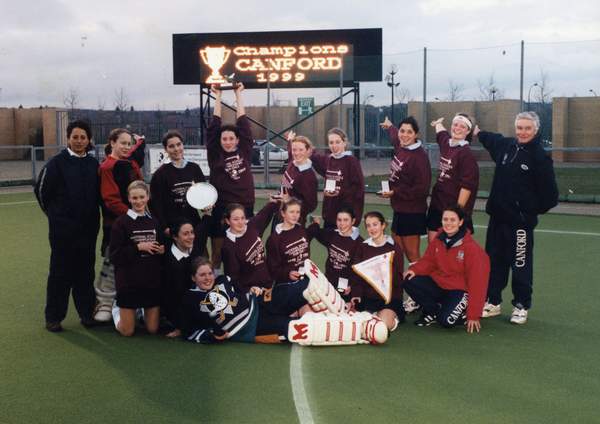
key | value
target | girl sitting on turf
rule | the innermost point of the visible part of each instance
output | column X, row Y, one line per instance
column 364, row 296
column 288, row 245
column 244, row 258
column 216, row 311
column 135, row 250
column 176, row 269
column 450, row 281
column 341, row 243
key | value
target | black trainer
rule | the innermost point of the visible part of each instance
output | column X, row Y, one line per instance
column 89, row 322
column 54, row 327
column 425, row 320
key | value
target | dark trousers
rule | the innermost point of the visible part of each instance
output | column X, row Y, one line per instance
column 71, row 270
column 448, row 306
column 276, row 306
column 510, row 248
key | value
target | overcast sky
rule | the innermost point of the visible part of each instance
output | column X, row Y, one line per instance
column 97, row 47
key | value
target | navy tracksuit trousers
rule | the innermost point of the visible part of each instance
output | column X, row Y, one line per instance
column 71, row 271
column 448, row 306
column 510, row 248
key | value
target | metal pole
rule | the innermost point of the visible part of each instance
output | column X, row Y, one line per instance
column 268, row 125
column 378, row 127
column 356, row 114
column 33, row 170
column 522, row 73
column 425, row 126
column 201, row 117
column 392, row 102
column 341, row 95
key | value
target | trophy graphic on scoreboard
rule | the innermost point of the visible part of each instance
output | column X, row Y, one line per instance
column 215, row 58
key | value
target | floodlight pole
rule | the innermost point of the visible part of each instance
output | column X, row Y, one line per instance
column 268, row 128
column 522, row 76
column 340, row 116
column 424, row 113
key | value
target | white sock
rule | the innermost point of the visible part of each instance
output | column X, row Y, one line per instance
column 139, row 314
column 116, row 314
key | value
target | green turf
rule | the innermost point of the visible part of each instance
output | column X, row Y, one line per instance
column 544, row 372
column 574, row 184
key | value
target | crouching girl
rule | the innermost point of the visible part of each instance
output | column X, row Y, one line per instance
column 450, row 281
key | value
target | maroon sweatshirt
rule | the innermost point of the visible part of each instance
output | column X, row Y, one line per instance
column 340, row 250
column 286, row 251
column 366, row 250
column 231, row 172
column 410, row 176
column 244, row 258
column 168, row 188
column 347, row 173
column 301, row 183
column 457, row 169
column 135, row 270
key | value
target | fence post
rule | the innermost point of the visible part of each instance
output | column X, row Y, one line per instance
column 33, row 170
column 424, row 112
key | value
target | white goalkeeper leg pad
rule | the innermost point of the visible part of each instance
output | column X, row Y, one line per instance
column 322, row 296
column 324, row 329
column 105, row 292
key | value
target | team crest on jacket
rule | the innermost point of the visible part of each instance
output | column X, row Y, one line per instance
column 460, row 255
column 218, row 302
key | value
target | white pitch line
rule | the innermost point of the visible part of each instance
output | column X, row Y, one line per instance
column 26, row 202
column 298, row 391
column 574, row 233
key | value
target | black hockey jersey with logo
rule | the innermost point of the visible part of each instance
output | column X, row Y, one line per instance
column 215, row 312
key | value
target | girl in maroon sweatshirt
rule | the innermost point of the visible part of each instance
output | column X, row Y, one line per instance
column 244, row 259
column 344, row 181
column 288, row 245
column 136, row 249
column 120, row 167
column 341, row 243
column 229, row 151
column 410, row 179
column 458, row 177
column 364, row 296
column 171, row 182
column 299, row 179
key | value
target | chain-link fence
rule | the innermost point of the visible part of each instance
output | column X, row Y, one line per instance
column 577, row 181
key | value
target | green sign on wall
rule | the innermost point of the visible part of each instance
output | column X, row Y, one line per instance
column 306, row 106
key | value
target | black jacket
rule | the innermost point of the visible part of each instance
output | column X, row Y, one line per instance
column 524, row 184
column 68, row 191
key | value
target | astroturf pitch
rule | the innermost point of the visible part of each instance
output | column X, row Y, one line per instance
column 544, row 372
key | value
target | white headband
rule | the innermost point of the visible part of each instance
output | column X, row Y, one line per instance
column 464, row 120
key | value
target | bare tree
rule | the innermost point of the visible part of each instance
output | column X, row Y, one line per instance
column 403, row 95
column 71, row 98
column 121, row 99
column 544, row 94
column 455, row 91
column 101, row 103
column 489, row 90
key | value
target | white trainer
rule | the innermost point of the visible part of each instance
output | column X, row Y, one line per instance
column 410, row 305
column 518, row 316
column 491, row 310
